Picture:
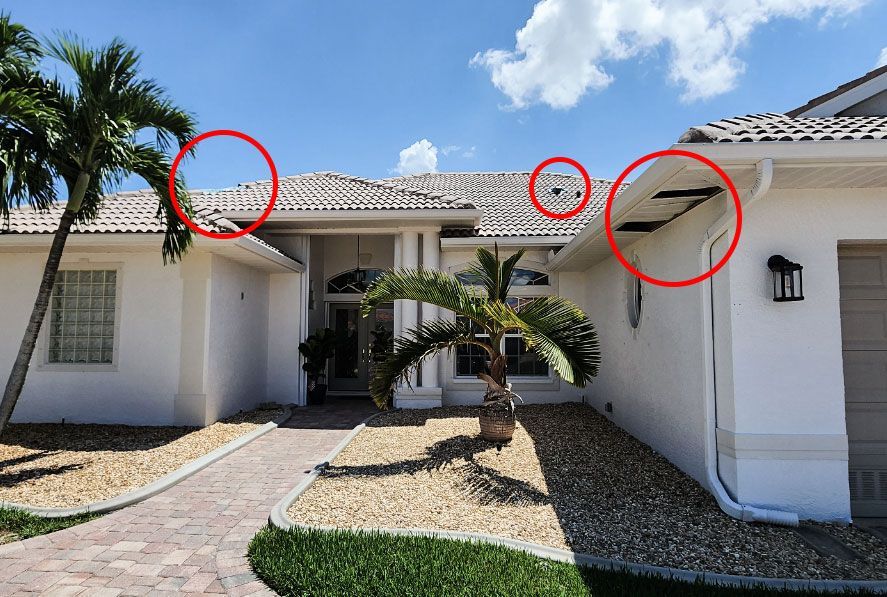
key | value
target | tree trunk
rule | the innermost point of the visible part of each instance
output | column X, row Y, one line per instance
column 20, row 369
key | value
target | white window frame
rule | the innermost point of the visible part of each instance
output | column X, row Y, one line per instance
column 515, row 292
column 43, row 343
column 547, row 378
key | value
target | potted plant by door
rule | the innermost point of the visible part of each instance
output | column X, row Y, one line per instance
column 317, row 349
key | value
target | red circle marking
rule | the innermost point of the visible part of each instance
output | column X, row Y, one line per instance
column 730, row 186
column 554, row 214
column 175, row 200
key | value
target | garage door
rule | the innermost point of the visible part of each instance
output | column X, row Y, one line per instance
column 863, row 277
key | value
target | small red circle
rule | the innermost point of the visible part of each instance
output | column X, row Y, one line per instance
column 730, row 186
column 554, row 214
column 175, row 200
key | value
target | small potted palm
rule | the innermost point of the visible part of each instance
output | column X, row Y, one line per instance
column 557, row 329
column 317, row 349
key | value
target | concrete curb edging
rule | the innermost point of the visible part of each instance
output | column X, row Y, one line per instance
column 280, row 519
column 161, row 484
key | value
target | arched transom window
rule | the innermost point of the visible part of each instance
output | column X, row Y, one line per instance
column 355, row 281
column 519, row 277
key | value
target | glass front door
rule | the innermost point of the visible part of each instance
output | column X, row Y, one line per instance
column 362, row 342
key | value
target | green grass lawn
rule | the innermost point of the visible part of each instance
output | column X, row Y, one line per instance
column 310, row 562
column 17, row 524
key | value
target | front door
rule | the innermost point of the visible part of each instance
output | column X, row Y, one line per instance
column 863, row 278
column 361, row 341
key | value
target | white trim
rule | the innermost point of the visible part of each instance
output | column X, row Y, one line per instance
column 127, row 242
column 793, row 153
column 314, row 215
column 254, row 246
column 84, row 239
column 450, row 244
column 771, row 446
column 847, row 99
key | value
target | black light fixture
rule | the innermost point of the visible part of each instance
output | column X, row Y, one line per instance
column 788, row 280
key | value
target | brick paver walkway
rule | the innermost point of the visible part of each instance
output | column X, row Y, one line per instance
column 193, row 537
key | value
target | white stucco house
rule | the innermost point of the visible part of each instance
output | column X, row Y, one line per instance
column 778, row 407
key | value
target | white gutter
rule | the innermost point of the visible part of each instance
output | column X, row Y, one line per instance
column 716, row 486
column 262, row 250
column 375, row 215
column 503, row 241
column 814, row 153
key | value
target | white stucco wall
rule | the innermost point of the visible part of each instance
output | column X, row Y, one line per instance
column 780, row 395
column 787, row 357
column 141, row 389
column 284, row 372
column 237, row 358
column 654, row 375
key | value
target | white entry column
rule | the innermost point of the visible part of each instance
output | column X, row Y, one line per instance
column 407, row 312
column 430, row 261
column 409, row 246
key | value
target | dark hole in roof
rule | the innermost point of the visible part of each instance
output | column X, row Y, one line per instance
column 703, row 192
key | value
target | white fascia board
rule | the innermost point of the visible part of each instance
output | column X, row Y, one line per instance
column 85, row 239
column 836, row 152
column 849, row 98
column 660, row 172
column 302, row 215
column 146, row 241
column 723, row 154
column 503, row 241
column 251, row 245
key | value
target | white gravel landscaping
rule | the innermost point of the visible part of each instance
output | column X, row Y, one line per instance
column 63, row 466
column 569, row 479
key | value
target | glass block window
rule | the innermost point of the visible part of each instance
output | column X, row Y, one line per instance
column 521, row 361
column 519, row 277
column 81, row 317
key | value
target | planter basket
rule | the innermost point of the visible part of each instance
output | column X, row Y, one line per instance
column 497, row 423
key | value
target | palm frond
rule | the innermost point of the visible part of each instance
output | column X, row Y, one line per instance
column 154, row 166
column 427, row 286
column 146, row 107
column 561, row 334
column 494, row 275
column 25, row 177
column 17, row 43
column 414, row 347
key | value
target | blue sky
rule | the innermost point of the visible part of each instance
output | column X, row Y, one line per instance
column 346, row 86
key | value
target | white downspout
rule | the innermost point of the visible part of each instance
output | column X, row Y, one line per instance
column 714, row 232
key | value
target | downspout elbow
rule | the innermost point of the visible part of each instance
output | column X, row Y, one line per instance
column 763, row 181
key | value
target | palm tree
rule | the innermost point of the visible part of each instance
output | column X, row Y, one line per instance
column 554, row 327
column 85, row 137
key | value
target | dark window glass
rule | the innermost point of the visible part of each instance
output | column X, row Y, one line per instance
column 354, row 282
column 519, row 277
column 521, row 361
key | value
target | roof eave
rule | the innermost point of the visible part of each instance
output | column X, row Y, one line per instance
column 530, row 242
column 665, row 168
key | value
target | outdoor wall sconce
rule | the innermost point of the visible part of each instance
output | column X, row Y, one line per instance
column 788, row 281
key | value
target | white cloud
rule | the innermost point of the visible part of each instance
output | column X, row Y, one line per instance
column 421, row 156
column 450, row 149
column 882, row 59
column 560, row 51
column 470, row 152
